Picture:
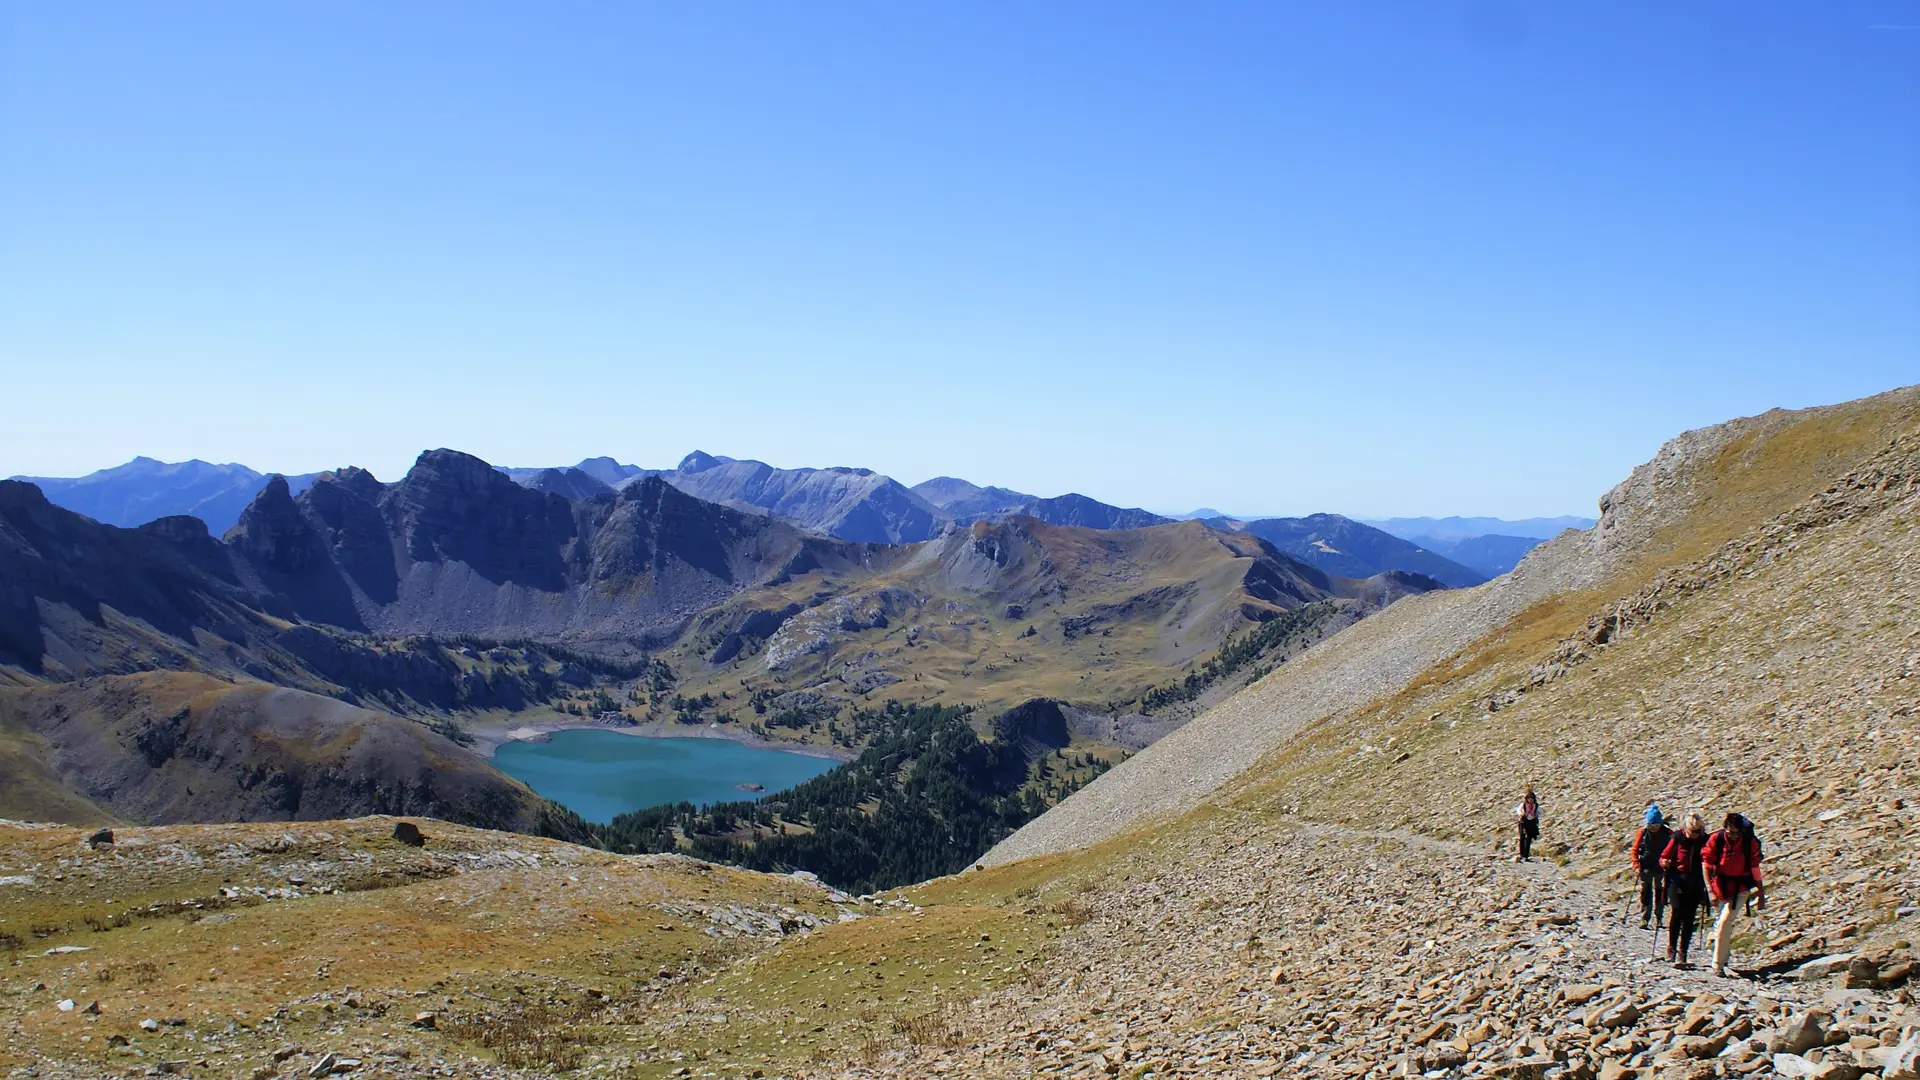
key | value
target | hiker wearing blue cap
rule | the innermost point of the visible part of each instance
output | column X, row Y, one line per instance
column 1648, row 845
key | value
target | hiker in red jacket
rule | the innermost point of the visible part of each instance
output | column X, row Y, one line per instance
column 1648, row 843
column 1731, row 859
column 1686, row 887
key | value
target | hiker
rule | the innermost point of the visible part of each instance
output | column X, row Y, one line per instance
column 1731, row 859
column 1686, row 887
column 1527, row 816
column 1649, row 843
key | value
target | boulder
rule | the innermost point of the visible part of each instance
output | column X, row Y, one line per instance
column 1863, row 973
column 101, row 839
column 1803, row 1033
column 409, row 834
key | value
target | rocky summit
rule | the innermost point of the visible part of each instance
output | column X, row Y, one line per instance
column 1314, row 878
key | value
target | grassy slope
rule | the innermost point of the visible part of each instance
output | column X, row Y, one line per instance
column 79, row 752
column 605, row 953
column 967, row 650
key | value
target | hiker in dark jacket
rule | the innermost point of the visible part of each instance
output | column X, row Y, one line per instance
column 1686, row 886
column 1527, row 821
column 1648, row 844
column 1731, row 859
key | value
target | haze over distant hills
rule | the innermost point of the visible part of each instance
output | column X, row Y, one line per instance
column 1461, row 528
column 1489, row 545
column 146, row 490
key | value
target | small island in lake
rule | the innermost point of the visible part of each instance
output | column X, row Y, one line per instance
column 751, row 787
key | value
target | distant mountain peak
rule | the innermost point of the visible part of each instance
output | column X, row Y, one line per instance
column 701, row 461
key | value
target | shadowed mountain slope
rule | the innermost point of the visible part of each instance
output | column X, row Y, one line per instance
column 456, row 547
column 1089, row 513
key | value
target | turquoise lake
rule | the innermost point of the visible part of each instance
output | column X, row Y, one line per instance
column 602, row 774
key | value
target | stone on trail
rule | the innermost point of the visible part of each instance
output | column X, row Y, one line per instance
column 1795, row 1067
column 1804, row 1032
column 1903, row 1062
column 1863, row 973
column 1580, row 994
column 1823, row 967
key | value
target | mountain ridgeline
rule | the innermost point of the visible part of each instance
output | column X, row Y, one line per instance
column 853, row 504
column 384, row 617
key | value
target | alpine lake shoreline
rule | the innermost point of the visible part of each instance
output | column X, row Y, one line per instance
column 614, row 781
column 491, row 734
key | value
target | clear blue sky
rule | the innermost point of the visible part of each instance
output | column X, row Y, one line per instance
column 1472, row 257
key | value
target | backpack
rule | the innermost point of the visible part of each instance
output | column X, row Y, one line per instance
column 1734, row 853
column 1649, row 845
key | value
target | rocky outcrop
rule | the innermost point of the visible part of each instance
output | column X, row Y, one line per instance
column 1036, row 726
column 747, row 627
column 817, row 629
column 453, row 507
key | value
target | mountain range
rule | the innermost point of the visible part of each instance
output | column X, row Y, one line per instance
column 1463, row 528
column 852, row 504
column 457, row 588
